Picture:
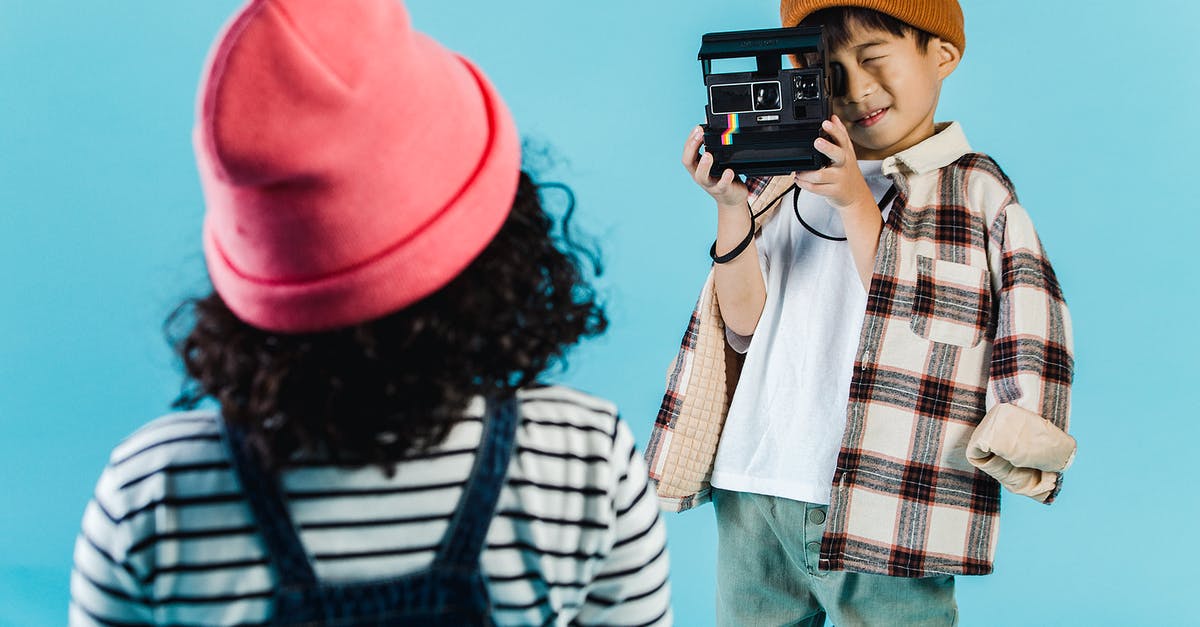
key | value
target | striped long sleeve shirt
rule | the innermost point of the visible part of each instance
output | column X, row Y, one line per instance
column 168, row 537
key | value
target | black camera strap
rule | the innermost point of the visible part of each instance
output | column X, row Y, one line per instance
column 887, row 198
column 745, row 243
column 737, row 250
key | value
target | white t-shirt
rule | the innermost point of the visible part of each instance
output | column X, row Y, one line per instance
column 786, row 420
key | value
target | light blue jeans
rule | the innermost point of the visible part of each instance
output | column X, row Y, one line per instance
column 767, row 555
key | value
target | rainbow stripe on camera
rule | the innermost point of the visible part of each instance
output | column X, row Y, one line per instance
column 733, row 126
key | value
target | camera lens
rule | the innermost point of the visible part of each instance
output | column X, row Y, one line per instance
column 837, row 80
column 766, row 97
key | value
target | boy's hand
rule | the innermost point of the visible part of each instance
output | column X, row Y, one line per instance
column 728, row 190
column 841, row 183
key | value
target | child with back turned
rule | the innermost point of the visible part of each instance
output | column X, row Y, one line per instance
column 387, row 293
column 907, row 347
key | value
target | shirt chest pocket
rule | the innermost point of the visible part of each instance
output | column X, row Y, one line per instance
column 952, row 302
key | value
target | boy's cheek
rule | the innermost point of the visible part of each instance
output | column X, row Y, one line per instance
column 859, row 140
column 846, row 114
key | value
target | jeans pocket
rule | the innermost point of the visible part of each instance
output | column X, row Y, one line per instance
column 952, row 302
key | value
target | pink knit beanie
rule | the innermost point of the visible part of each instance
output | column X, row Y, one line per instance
column 350, row 164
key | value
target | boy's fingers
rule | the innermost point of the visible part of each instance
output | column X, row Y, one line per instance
column 691, row 151
column 813, row 177
column 703, row 172
column 842, row 134
column 821, row 189
column 831, row 150
column 837, row 131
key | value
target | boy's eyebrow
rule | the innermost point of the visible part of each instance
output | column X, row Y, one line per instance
column 875, row 42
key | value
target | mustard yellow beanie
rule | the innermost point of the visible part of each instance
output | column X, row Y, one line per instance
column 941, row 18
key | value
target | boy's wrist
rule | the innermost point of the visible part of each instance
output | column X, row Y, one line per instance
column 734, row 207
column 863, row 202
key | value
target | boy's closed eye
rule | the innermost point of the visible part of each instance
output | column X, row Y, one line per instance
column 873, row 51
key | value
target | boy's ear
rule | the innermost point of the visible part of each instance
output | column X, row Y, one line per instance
column 946, row 54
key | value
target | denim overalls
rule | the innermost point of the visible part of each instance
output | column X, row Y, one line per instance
column 451, row 592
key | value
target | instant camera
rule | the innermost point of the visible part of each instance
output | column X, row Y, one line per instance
column 764, row 122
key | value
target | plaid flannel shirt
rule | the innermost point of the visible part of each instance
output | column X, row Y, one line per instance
column 964, row 317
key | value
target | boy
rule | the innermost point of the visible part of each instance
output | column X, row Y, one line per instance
column 902, row 355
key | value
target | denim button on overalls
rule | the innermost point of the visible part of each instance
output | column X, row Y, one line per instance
column 451, row 591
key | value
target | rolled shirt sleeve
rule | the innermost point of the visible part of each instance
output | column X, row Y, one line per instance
column 1032, row 363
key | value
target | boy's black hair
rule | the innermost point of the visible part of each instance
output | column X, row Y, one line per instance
column 380, row 391
column 837, row 21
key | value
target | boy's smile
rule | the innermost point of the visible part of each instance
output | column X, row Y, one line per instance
column 892, row 89
column 870, row 118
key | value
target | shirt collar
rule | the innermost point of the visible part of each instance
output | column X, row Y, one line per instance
column 947, row 144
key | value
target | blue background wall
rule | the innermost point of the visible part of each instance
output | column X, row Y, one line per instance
column 1089, row 106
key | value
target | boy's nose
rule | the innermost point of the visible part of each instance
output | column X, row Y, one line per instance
column 859, row 85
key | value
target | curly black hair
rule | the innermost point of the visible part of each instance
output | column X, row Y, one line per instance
column 377, row 392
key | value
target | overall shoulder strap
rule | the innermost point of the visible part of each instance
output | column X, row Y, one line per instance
column 284, row 549
column 465, row 536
